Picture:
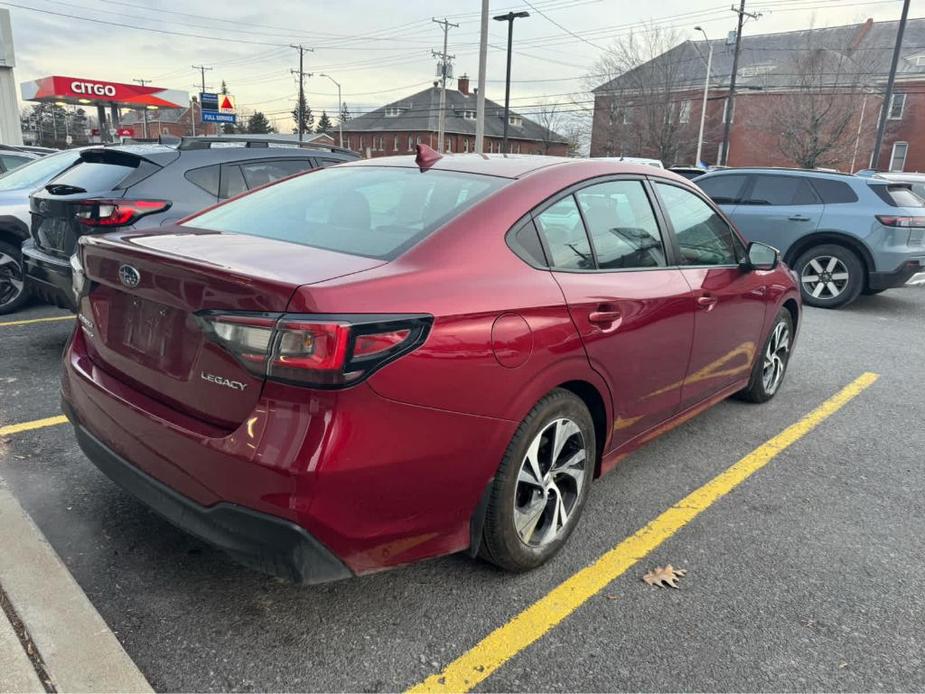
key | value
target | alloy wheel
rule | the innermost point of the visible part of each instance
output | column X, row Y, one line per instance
column 11, row 279
column 824, row 277
column 549, row 483
column 775, row 358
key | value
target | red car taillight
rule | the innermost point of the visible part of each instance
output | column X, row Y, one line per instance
column 117, row 213
column 902, row 222
column 319, row 351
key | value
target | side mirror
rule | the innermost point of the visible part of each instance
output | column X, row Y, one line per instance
column 761, row 257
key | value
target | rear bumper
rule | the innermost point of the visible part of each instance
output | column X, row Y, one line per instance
column 257, row 540
column 48, row 276
column 897, row 277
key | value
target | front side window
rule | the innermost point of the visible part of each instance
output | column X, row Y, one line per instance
column 375, row 212
column 561, row 228
column 781, row 190
column 723, row 189
column 703, row 237
column 621, row 225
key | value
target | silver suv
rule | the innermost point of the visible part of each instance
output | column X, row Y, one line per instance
column 844, row 235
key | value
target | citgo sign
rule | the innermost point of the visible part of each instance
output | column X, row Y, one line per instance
column 93, row 88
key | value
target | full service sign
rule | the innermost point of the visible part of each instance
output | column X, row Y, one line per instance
column 217, row 108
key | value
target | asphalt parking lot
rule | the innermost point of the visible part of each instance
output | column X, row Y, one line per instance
column 807, row 576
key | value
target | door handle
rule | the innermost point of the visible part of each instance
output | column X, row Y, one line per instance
column 707, row 302
column 798, row 218
column 604, row 317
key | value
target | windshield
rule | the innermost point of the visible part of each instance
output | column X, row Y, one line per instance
column 36, row 173
column 376, row 212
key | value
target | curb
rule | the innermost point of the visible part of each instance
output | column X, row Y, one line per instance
column 79, row 651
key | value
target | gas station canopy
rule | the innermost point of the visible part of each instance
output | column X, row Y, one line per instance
column 79, row 90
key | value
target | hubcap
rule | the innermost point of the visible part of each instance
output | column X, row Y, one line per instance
column 549, row 483
column 824, row 277
column 11, row 281
column 775, row 358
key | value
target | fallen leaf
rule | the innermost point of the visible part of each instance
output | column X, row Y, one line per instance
column 664, row 576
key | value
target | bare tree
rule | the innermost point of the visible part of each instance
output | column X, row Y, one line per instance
column 642, row 79
column 549, row 116
column 816, row 112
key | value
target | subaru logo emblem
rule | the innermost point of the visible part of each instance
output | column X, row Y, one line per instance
column 129, row 276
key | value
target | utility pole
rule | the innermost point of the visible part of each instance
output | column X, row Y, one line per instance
column 480, row 97
column 888, row 97
column 444, row 64
column 144, row 111
column 509, row 18
column 730, row 100
column 300, row 109
column 192, row 107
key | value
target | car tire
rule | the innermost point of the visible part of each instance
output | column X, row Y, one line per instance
column 873, row 292
column 14, row 292
column 771, row 363
column 831, row 276
column 522, row 523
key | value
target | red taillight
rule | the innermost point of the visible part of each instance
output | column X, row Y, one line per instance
column 901, row 222
column 117, row 213
column 319, row 351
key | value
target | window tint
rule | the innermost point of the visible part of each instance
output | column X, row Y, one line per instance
column 565, row 236
column 525, row 242
column 622, row 225
column 781, row 190
column 723, row 189
column 97, row 176
column 232, row 181
column 258, row 173
column 898, row 195
column 206, row 178
column 834, row 192
column 703, row 237
column 369, row 211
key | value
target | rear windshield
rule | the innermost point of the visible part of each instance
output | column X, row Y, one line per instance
column 898, row 195
column 35, row 173
column 376, row 212
column 94, row 176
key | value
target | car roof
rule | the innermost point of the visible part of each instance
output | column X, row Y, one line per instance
column 778, row 170
column 511, row 165
column 901, row 176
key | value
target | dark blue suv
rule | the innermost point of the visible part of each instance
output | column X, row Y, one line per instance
column 844, row 235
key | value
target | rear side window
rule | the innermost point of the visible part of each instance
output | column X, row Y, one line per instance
column 232, row 181
column 258, row 173
column 781, row 190
column 724, row 189
column 376, row 212
column 564, row 233
column 898, row 196
column 11, row 161
column 834, row 192
column 206, row 178
column 622, row 225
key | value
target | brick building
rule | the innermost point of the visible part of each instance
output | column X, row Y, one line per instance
column 397, row 127
column 790, row 87
column 168, row 121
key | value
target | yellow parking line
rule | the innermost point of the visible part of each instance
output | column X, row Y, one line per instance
column 35, row 320
column 35, row 424
column 498, row 647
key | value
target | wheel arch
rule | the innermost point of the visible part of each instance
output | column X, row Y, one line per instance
column 838, row 238
column 594, row 401
column 794, row 310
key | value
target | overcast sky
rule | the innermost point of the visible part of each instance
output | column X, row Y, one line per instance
column 379, row 50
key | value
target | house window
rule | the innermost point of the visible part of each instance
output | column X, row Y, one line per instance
column 728, row 117
column 395, row 143
column 898, row 156
column 410, row 143
column 469, row 115
column 920, row 61
column 362, row 143
column 684, row 115
column 449, row 145
column 897, row 106
column 626, row 116
column 465, row 144
column 392, row 111
column 516, row 121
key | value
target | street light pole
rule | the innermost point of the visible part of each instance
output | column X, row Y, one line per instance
column 509, row 18
column 340, row 109
column 706, row 91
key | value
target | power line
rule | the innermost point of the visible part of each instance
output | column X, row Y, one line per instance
column 567, row 31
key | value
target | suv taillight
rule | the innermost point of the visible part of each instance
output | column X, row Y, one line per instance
column 320, row 351
column 117, row 213
column 889, row 220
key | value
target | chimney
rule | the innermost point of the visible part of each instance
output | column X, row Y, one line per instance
column 463, row 85
column 861, row 34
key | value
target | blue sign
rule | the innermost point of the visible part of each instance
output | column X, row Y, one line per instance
column 208, row 101
column 215, row 117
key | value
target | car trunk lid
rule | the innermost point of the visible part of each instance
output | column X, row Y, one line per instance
column 149, row 297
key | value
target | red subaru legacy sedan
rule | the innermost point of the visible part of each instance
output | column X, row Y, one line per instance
column 394, row 359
